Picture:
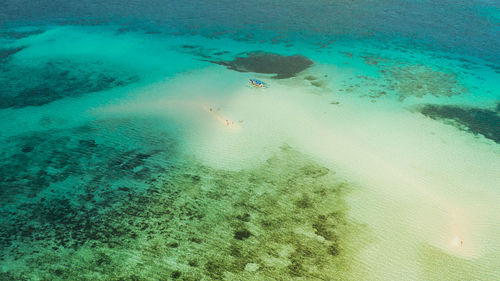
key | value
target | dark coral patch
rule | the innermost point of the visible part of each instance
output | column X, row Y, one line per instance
column 34, row 86
column 221, row 53
column 83, row 209
column 6, row 53
column 199, row 51
column 176, row 274
column 475, row 120
column 48, row 157
column 20, row 34
column 268, row 63
column 242, row 234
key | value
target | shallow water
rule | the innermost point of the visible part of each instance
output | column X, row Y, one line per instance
column 134, row 147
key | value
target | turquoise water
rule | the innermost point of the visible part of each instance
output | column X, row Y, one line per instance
column 135, row 148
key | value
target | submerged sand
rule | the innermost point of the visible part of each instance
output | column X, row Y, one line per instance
column 417, row 192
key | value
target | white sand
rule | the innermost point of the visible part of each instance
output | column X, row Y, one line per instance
column 421, row 183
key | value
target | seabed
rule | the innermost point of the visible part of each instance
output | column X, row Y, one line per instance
column 133, row 153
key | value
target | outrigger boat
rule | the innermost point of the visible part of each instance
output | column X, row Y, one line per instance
column 257, row 83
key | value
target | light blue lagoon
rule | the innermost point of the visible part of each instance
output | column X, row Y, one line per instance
column 135, row 147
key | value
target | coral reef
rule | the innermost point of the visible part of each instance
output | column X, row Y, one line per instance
column 6, row 53
column 405, row 79
column 200, row 51
column 16, row 34
column 95, row 210
column 268, row 63
column 419, row 80
column 56, row 79
column 474, row 120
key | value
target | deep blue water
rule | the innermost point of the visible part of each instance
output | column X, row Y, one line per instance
column 465, row 27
